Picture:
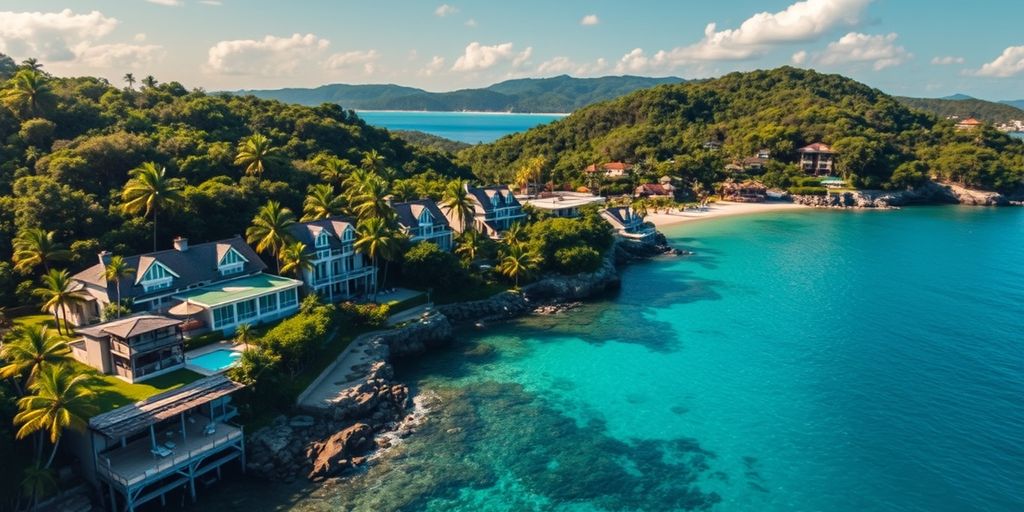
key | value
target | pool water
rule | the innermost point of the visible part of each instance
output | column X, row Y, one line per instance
column 216, row 361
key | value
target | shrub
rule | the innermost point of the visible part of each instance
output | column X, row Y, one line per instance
column 426, row 265
column 113, row 311
column 360, row 315
column 297, row 338
column 808, row 181
column 808, row 191
column 574, row 260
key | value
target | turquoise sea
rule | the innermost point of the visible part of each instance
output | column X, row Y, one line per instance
column 468, row 127
column 800, row 361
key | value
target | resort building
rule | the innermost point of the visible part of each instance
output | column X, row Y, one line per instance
column 160, row 276
column 757, row 162
column 712, row 145
column 749, row 191
column 133, row 348
column 817, row 159
column 629, row 226
column 563, row 204
column 423, row 221
column 140, row 452
column 252, row 300
column 495, row 209
column 654, row 190
column 610, row 169
column 969, row 124
column 339, row 272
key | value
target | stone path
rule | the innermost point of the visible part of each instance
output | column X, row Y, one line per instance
column 346, row 371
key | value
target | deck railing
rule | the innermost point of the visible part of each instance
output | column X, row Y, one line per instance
column 169, row 463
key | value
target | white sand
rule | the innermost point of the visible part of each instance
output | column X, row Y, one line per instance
column 715, row 210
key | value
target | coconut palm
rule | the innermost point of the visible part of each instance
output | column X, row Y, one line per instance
column 405, row 190
column 373, row 161
column 517, row 262
column 32, row 64
column 376, row 239
column 61, row 400
column 295, row 258
column 321, row 202
column 113, row 272
column 470, row 245
column 639, row 208
column 130, row 79
column 5, row 319
column 372, row 199
column 29, row 94
column 58, row 293
column 34, row 247
column 269, row 230
column 37, row 481
column 149, row 82
column 148, row 191
column 245, row 334
column 457, row 204
column 336, row 170
column 33, row 347
column 515, row 234
column 255, row 153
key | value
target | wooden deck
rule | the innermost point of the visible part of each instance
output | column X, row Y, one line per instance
column 135, row 463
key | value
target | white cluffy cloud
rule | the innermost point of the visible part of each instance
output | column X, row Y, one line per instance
column 879, row 50
column 168, row 3
column 565, row 65
column 947, row 60
column 799, row 58
column 280, row 56
column 1007, row 64
column 445, row 10
column 478, row 57
column 67, row 38
column 435, row 65
column 590, row 19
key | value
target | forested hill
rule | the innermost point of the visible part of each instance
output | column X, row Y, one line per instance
column 67, row 146
column 881, row 142
column 987, row 111
column 557, row 94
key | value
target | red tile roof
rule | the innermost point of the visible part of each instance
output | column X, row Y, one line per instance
column 817, row 147
column 610, row 166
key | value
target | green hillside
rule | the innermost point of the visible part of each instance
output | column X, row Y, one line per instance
column 882, row 142
column 987, row 111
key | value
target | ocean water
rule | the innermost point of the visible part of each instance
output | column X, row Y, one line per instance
column 468, row 127
column 1018, row 135
column 800, row 361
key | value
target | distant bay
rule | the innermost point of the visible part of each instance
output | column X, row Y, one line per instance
column 1017, row 135
column 468, row 127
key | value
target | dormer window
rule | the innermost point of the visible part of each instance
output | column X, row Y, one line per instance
column 231, row 263
column 348, row 237
column 321, row 240
column 157, row 277
column 496, row 200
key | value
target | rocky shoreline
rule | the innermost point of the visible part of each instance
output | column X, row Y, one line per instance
column 376, row 411
column 928, row 193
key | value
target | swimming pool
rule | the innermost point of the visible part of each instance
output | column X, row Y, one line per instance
column 216, row 361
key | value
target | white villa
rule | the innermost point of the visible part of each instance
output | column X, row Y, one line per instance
column 423, row 221
column 225, row 305
column 495, row 210
column 134, row 348
column 817, row 158
column 628, row 226
column 563, row 204
column 339, row 272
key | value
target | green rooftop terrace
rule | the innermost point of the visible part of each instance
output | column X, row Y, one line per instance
column 237, row 290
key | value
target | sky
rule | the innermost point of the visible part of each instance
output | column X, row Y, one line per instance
column 929, row 48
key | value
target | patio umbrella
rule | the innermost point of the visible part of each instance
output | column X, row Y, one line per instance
column 186, row 309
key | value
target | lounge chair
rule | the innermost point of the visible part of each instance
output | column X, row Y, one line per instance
column 210, row 429
column 160, row 451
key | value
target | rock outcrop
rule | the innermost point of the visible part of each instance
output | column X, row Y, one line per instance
column 928, row 193
column 503, row 305
column 575, row 287
column 336, row 453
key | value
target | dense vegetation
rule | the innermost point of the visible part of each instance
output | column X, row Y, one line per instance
column 429, row 141
column 556, row 94
column 987, row 111
column 881, row 142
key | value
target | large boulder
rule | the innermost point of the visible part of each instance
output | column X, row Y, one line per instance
column 335, row 454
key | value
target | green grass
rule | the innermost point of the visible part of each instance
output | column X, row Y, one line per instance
column 112, row 392
column 35, row 320
column 475, row 291
column 399, row 306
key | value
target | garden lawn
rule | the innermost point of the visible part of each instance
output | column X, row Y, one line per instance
column 112, row 392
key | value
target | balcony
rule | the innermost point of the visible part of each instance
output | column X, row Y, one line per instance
column 138, row 347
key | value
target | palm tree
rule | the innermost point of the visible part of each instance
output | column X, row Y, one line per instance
column 321, row 203
column 457, row 203
column 639, row 207
column 5, row 319
column 470, row 244
column 269, row 230
column 32, row 63
column 113, row 272
column 29, row 94
column 34, row 247
column 58, row 292
column 148, row 191
column 245, row 334
column 37, row 481
column 255, row 154
column 149, row 82
column 372, row 199
column 33, row 348
column 373, row 161
column 336, row 170
column 517, row 261
column 515, row 234
column 62, row 400
column 404, row 190
column 376, row 239
column 130, row 78
column 295, row 258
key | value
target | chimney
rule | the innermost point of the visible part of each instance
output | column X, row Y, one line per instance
column 105, row 258
column 181, row 244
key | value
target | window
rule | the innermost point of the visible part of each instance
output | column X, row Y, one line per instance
column 246, row 310
column 268, row 303
column 347, row 239
column 157, row 277
column 223, row 316
column 231, row 263
column 321, row 240
column 496, row 200
column 288, row 298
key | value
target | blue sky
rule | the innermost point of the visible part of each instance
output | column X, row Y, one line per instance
column 907, row 47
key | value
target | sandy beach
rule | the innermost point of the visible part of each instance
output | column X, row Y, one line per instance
column 716, row 210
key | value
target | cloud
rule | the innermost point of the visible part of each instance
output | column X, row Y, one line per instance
column 214, row 3
column 478, row 57
column 366, row 59
column 435, row 66
column 590, row 19
column 270, row 56
column 947, row 60
column 119, row 55
column 51, row 36
column 799, row 57
column 445, row 10
column 470, row 22
column 637, row 61
column 168, row 3
column 140, row 37
column 565, row 65
column 880, row 50
column 1009, row 63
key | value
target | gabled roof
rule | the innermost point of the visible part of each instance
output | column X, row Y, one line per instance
column 132, row 326
column 610, row 166
column 970, row 121
column 196, row 265
column 483, row 196
column 409, row 213
column 817, row 147
column 656, row 189
column 306, row 232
